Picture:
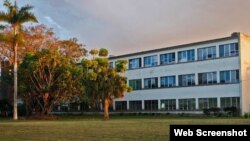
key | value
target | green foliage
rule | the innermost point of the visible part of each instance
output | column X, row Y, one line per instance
column 94, row 52
column 49, row 77
column 101, row 81
column 103, row 52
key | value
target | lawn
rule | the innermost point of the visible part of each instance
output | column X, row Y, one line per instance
column 95, row 129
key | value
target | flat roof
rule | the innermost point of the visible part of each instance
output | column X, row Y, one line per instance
column 234, row 35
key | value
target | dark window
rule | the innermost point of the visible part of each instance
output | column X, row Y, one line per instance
column 206, row 53
column 121, row 105
column 150, row 61
column 150, row 83
column 206, row 103
column 168, row 81
column 231, row 76
column 187, row 104
column 230, row 102
column 168, row 104
column 135, row 84
column 134, row 63
column 227, row 50
column 186, row 56
column 187, row 80
column 207, row 78
column 151, row 104
column 135, row 105
column 167, row 58
column 111, row 64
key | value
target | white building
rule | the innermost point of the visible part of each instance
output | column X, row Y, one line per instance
column 190, row 77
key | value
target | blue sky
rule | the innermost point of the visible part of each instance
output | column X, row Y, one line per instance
column 125, row 26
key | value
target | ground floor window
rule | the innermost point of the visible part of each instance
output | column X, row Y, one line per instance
column 187, row 104
column 230, row 102
column 206, row 103
column 151, row 104
column 168, row 104
column 121, row 105
column 135, row 105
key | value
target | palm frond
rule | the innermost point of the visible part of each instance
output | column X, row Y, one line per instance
column 25, row 8
column 7, row 3
column 4, row 17
column 27, row 17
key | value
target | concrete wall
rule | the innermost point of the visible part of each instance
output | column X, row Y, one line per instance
column 245, row 72
column 210, row 91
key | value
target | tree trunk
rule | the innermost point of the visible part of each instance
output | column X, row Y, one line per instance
column 106, row 108
column 15, row 114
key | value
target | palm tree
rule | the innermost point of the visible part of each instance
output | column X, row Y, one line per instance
column 16, row 17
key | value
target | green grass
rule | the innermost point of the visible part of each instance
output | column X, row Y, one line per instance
column 95, row 129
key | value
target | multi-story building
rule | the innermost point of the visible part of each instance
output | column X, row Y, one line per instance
column 190, row 77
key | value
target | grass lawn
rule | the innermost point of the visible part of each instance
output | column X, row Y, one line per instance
column 95, row 129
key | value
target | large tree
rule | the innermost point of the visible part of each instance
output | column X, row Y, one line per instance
column 16, row 17
column 47, row 78
column 103, row 82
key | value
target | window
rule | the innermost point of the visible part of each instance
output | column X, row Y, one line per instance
column 230, row 102
column 134, row 63
column 229, row 50
column 207, row 78
column 121, row 105
column 151, row 104
column 186, row 56
column 206, row 53
column 150, row 61
column 187, row 104
column 111, row 64
column 135, row 84
column 206, row 103
column 187, row 80
column 150, row 83
column 168, row 104
column 231, row 76
column 135, row 105
column 168, row 81
column 168, row 58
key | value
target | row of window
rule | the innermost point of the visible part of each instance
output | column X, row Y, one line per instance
column 208, row 78
column 184, row 104
column 225, row 50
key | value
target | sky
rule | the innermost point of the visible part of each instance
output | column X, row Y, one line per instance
column 127, row 26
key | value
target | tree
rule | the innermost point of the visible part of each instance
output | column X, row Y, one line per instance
column 16, row 17
column 48, row 77
column 102, row 82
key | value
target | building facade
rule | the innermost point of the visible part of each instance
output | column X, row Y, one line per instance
column 190, row 77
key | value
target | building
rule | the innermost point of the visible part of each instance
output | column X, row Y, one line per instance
column 190, row 77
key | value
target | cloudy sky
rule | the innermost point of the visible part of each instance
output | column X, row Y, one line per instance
column 125, row 26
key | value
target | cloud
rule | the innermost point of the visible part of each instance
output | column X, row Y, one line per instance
column 52, row 22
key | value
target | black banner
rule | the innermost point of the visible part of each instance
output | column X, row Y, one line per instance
column 210, row 132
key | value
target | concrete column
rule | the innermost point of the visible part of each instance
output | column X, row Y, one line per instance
column 142, row 83
column 142, row 62
column 176, row 80
column 218, row 102
column 79, row 108
column 177, row 104
column 195, row 54
column 196, row 103
column 159, row 104
column 113, row 105
column 127, row 105
column 142, row 105
column 218, row 76
column 158, row 59
column 176, row 57
column 159, row 82
column 59, row 108
column 217, row 51
column 196, row 79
